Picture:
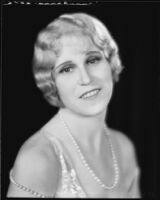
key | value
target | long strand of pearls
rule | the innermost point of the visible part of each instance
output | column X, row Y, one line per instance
column 115, row 164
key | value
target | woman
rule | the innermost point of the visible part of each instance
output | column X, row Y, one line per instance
column 75, row 154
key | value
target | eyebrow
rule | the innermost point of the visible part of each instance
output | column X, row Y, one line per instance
column 70, row 62
column 92, row 52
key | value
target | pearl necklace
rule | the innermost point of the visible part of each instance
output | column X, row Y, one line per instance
column 115, row 164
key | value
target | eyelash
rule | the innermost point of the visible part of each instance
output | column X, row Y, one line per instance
column 63, row 70
column 95, row 59
column 92, row 60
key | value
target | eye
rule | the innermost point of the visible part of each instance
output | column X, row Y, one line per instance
column 66, row 69
column 93, row 59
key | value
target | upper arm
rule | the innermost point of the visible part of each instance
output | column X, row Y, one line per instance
column 36, row 170
column 134, row 188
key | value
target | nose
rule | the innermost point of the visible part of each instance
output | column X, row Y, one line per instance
column 85, row 77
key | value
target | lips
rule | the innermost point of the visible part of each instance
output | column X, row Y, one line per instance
column 90, row 93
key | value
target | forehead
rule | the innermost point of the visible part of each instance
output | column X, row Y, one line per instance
column 76, row 44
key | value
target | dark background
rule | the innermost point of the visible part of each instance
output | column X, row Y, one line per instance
column 134, row 106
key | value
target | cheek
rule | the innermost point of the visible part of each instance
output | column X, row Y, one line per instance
column 64, row 87
column 103, row 72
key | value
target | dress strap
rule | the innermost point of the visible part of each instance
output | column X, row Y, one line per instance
column 53, row 140
column 64, row 159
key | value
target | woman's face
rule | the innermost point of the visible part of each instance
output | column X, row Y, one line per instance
column 83, row 76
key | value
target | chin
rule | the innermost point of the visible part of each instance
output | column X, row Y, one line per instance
column 89, row 111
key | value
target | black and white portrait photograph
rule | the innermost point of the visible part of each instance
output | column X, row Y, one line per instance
column 80, row 85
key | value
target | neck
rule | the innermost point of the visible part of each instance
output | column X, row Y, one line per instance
column 87, row 130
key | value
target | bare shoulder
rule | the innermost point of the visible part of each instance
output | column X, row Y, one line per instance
column 126, row 148
column 124, row 141
column 36, row 166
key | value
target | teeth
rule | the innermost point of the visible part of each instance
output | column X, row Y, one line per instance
column 89, row 94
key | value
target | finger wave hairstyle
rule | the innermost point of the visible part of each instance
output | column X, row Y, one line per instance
column 47, row 47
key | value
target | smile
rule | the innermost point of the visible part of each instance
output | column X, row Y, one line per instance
column 90, row 94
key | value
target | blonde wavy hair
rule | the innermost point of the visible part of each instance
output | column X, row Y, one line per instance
column 47, row 48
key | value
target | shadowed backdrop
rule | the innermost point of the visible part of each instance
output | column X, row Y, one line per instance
column 134, row 105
